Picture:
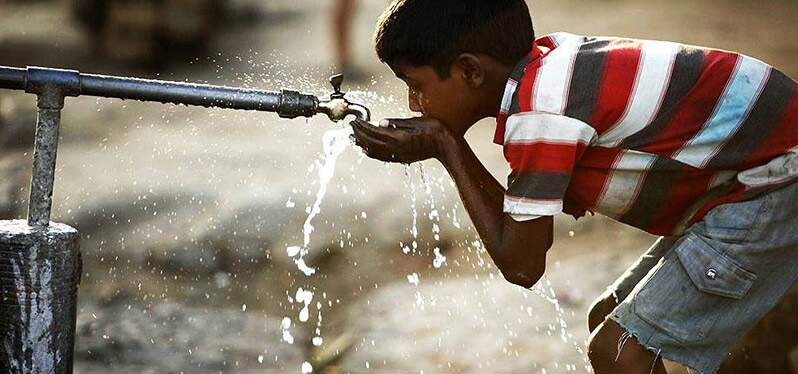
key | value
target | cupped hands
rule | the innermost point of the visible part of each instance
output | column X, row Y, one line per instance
column 401, row 140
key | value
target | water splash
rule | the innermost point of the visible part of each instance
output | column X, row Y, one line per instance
column 545, row 290
column 285, row 327
column 305, row 297
column 434, row 217
column 335, row 142
column 414, row 229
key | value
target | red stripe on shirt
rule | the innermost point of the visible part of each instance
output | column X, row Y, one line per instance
column 686, row 189
column 736, row 194
column 546, row 41
column 620, row 70
column 501, row 128
column 543, row 157
column 697, row 107
column 591, row 175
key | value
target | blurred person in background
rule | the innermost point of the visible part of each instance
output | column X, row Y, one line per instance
column 342, row 20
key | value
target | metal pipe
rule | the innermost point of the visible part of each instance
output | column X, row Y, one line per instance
column 44, row 156
column 178, row 93
column 12, row 78
column 286, row 103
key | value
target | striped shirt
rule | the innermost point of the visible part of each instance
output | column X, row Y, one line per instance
column 653, row 134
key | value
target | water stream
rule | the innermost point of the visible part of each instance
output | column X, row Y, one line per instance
column 334, row 143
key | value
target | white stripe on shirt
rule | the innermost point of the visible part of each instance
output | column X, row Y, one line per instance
column 651, row 82
column 554, row 79
column 624, row 183
column 560, row 38
column 507, row 99
column 533, row 127
column 528, row 207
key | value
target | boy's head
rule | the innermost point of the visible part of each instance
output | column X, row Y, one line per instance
column 445, row 49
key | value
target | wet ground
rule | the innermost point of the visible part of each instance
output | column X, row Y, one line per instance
column 195, row 206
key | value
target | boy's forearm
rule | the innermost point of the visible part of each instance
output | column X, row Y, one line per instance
column 482, row 194
column 518, row 248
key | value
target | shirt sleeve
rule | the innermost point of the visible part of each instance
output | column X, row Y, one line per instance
column 542, row 150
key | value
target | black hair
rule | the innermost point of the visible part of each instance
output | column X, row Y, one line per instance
column 435, row 32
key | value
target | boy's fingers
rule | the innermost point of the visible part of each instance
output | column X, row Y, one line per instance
column 392, row 131
column 379, row 152
column 370, row 144
column 361, row 134
column 384, row 133
column 399, row 123
column 375, row 148
column 382, row 155
column 362, row 138
column 367, row 129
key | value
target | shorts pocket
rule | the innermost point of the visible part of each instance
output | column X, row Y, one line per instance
column 690, row 289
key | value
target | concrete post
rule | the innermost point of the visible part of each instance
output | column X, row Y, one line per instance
column 40, row 270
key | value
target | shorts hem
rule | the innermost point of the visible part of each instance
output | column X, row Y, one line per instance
column 646, row 335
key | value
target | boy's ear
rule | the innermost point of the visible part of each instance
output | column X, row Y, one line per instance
column 471, row 68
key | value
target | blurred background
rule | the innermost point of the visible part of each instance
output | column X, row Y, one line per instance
column 186, row 213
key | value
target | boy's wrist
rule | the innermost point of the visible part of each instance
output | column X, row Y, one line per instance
column 448, row 145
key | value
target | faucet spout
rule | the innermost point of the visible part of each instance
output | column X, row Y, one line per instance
column 360, row 111
column 339, row 108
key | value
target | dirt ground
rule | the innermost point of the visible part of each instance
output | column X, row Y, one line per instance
column 118, row 152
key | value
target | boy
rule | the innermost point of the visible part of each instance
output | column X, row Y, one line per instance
column 697, row 145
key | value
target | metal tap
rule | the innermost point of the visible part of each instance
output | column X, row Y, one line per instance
column 337, row 107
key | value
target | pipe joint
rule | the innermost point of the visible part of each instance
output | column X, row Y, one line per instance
column 52, row 85
column 294, row 104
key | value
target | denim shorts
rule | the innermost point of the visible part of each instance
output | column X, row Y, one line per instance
column 689, row 299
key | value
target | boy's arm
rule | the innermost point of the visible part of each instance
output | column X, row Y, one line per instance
column 517, row 248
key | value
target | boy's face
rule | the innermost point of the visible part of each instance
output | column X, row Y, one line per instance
column 449, row 100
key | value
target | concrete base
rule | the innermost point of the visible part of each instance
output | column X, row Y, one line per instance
column 39, row 274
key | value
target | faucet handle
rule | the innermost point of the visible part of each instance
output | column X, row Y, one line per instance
column 336, row 81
